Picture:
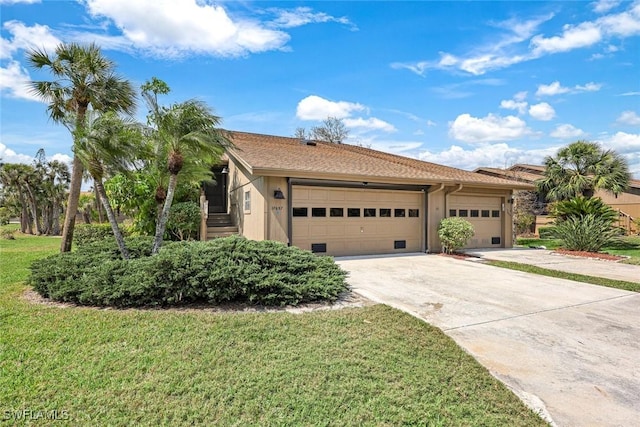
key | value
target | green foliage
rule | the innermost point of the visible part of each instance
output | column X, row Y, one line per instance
column 5, row 215
column 589, row 232
column 454, row 233
column 90, row 233
column 7, row 234
column 184, row 220
column 524, row 221
column 546, row 232
column 581, row 206
column 218, row 271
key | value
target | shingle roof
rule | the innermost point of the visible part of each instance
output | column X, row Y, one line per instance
column 283, row 156
column 517, row 175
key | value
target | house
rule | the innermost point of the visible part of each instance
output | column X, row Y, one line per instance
column 626, row 204
column 340, row 199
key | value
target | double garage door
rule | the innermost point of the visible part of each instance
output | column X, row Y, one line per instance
column 357, row 221
column 485, row 214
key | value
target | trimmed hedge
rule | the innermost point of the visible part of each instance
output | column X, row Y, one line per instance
column 90, row 233
column 231, row 269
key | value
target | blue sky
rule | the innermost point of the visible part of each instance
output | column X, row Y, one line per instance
column 465, row 84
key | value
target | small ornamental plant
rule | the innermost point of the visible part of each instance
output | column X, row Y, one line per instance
column 454, row 233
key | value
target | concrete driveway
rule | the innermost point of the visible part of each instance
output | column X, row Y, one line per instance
column 564, row 347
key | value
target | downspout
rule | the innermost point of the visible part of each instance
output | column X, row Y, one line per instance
column 428, row 217
column 204, row 214
column 289, row 213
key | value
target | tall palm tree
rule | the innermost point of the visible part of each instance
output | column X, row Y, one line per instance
column 186, row 136
column 84, row 78
column 580, row 169
column 105, row 145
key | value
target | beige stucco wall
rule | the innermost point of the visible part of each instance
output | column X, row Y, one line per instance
column 276, row 210
column 251, row 223
column 628, row 203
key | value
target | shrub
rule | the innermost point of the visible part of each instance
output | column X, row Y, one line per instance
column 184, row 221
column 90, row 233
column 454, row 233
column 217, row 271
column 546, row 232
column 582, row 206
column 8, row 234
column 5, row 215
column 585, row 233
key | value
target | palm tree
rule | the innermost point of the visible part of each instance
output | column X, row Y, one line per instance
column 84, row 79
column 186, row 136
column 580, row 169
column 12, row 180
column 107, row 144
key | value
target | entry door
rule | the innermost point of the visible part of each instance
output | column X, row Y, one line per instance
column 216, row 193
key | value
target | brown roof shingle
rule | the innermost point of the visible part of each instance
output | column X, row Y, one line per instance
column 283, row 156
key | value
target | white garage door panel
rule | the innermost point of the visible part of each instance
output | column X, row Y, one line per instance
column 357, row 235
column 487, row 228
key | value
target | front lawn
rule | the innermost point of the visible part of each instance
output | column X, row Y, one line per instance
column 360, row 366
column 627, row 245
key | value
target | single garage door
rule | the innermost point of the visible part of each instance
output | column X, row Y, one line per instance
column 356, row 221
column 485, row 214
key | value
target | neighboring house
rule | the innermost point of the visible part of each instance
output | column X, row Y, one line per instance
column 627, row 203
column 340, row 199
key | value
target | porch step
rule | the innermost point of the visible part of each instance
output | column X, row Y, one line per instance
column 224, row 231
column 219, row 220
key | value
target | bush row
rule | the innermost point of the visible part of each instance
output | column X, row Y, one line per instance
column 218, row 271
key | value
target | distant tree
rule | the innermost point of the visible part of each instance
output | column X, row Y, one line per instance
column 84, row 79
column 332, row 130
column 580, row 169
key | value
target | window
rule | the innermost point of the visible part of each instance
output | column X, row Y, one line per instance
column 475, row 213
column 463, row 213
column 247, row 201
column 318, row 247
column 495, row 214
column 399, row 213
column 453, row 212
column 369, row 212
column 414, row 213
column 495, row 240
column 385, row 213
column 319, row 212
column 300, row 211
column 399, row 244
column 336, row 212
column 485, row 214
column 353, row 212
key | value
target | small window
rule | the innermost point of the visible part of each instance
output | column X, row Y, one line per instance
column 495, row 240
column 336, row 212
column 318, row 247
column 453, row 212
column 300, row 211
column 485, row 214
column 463, row 213
column 385, row 213
column 247, row 201
column 353, row 212
column 475, row 213
column 399, row 213
column 414, row 213
column 319, row 212
column 495, row 214
column 369, row 212
column 399, row 244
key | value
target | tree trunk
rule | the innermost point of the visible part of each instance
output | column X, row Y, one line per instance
column 112, row 218
column 161, row 224
column 55, row 218
column 25, row 220
column 72, row 205
column 34, row 209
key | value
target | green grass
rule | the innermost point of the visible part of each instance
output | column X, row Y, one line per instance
column 627, row 246
column 360, row 366
column 619, row 284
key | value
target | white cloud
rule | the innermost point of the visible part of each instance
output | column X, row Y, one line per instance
column 542, row 111
column 556, row 88
column 499, row 155
column 290, row 18
column 14, row 82
column 174, row 28
column 520, row 96
column 510, row 104
column 19, row 1
column 488, row 129
column 566, row 131
column 24, row 37
column 370, row 123
column 630, row 94
column 9, row 156
column 431, row 123
column 629, row 118
column 602, row 6
column 316, row 108
column 573, row 37
column 551, row 89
